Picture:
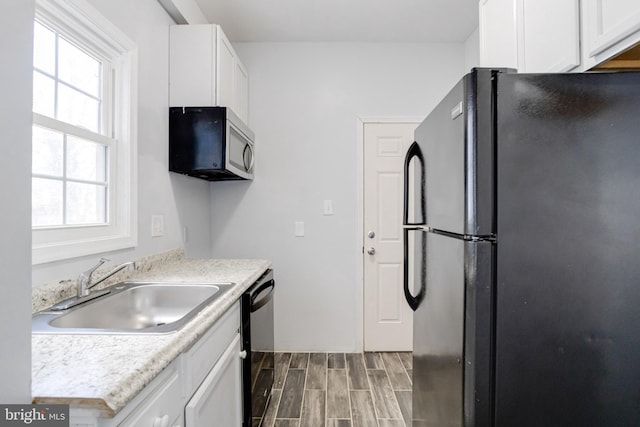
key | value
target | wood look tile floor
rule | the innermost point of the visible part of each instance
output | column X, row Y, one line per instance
column 341, row 390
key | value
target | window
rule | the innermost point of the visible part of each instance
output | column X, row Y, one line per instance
column 83, row 140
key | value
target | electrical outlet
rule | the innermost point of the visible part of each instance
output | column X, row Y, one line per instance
column 157, row 225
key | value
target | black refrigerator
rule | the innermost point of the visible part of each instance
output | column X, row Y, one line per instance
column 522, row 252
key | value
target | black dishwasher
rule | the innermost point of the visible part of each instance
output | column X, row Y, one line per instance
column 257, row 340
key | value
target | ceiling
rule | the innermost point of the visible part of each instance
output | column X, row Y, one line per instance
column 397, row 21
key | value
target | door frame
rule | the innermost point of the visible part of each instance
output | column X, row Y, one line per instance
column 361, row 121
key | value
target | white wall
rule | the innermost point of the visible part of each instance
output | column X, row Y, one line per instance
column 305, row 100
column 16, row 41
column 472, row 51
column 183, row 201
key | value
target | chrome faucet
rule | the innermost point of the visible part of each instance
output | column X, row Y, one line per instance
column 84, row 284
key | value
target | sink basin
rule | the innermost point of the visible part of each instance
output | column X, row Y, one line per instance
column 133, row 307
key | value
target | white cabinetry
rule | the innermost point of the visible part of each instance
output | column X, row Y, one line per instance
column 533, row 36
column 163, row 408
column 610, row 27
column 213, row 375
column 241, row 90
column 201, row 387
column 545, row 36
column 198, row 361
column 217, row 398
column 225, row 58
column 205, row 71
column 549, row 35
column 498, row 34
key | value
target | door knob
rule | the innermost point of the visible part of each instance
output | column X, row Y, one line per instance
column 371, row 234
column 371, row 251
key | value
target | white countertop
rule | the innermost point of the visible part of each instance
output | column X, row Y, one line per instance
column 105, row 372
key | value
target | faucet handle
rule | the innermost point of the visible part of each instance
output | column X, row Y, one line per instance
column 85, row 276
column 82, row 284
column 100, row 262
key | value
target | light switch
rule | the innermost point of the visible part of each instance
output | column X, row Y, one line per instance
column 157, row 225
column 299, row 228
column 328, row 207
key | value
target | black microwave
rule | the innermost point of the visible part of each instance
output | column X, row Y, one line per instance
column 211, row 143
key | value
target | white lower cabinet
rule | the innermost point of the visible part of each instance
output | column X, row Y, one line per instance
column 162, row 407
column 202, row 387
column 216, row 401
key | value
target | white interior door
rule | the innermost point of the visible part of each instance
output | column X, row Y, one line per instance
column 388, row 320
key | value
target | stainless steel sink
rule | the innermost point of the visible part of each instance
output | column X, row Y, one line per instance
column 133, row 308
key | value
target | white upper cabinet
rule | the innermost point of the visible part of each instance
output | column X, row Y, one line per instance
column 204, row 70
column 532, row 36
column 611, row 26
column 549, row 37
column 225, row 57
column 553, row 36
column 192, row 65
column 498, row 34
column 241, row 89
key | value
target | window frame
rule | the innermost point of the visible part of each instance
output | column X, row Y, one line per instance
column 82, row 23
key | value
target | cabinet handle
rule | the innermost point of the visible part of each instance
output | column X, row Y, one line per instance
column 161, row 421
column 243, row 354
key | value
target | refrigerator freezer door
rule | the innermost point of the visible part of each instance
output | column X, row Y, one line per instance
column 451, row 371
column 568, row 270
column 456, row 141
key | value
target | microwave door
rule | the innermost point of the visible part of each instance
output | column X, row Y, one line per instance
column 240, row 156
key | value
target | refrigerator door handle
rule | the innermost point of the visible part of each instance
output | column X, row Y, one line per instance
column 413, row 301
column 414, row 151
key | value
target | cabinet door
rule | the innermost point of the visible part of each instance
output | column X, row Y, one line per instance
column 164, row 405
column 498, row 35
column 610, row 22
column 218, row 400
column 550, row 36
column 241, row 91
column 192, row 54
column 225, row 68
